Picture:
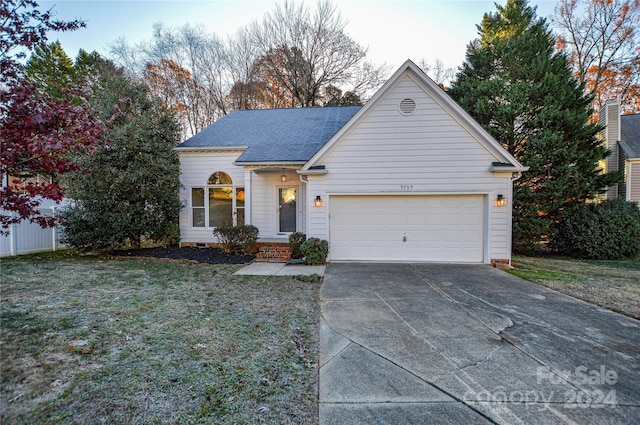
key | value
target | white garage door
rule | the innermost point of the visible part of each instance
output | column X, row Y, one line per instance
column 407, row 228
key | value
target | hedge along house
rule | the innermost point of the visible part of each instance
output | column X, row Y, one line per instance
column 409, row 176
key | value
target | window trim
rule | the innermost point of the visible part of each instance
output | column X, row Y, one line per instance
column 234, row 204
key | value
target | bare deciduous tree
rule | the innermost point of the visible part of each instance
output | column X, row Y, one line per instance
column 602, row 40
column 439, row 73
column 288, row 59
column 247, row 92
column 186, row 67
column 306, row 51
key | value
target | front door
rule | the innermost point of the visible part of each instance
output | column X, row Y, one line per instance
column 287, row 210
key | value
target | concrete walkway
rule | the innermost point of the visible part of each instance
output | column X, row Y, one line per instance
column 452, row 344
column 280, row 269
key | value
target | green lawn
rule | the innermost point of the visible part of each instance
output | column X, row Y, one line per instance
column 614, row 285
column 95, row 340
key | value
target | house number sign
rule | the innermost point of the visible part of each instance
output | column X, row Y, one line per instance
column 406, row 187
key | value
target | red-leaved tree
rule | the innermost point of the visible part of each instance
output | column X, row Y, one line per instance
column 38, row 135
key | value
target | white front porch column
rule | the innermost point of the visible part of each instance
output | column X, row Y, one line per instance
column 248, row 190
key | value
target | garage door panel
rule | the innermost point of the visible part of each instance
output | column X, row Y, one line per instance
column 471, row 222
column 470, row 241
column 357, row 236
column 375, row 219
column 432, row 235
column 415, row 218
column 377, row 236
column 437, row 228
column 453, row 219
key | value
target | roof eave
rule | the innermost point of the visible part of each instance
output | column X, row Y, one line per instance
column 210, row 148
column 312, row 172
column 507, row 169
column 268, row 163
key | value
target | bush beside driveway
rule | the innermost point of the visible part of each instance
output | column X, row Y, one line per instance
column 614, row 285
column 90, row 340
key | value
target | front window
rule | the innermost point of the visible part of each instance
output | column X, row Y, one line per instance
column 220, row 206
column 220, row 203
column 197, row 206
column 239, row 206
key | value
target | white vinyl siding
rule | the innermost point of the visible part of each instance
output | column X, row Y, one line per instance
column 264, row 202
column 610, row 117
column 633, row 181
column 427, row 153
column 260, row 187
column 195, row 170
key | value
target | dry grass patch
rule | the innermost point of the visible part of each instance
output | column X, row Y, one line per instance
column 614, row 285
column 88, row 340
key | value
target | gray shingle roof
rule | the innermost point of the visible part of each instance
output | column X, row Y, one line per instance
column 274, row 135
column 630, row 135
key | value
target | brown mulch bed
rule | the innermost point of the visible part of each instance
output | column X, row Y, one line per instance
column 199, row 255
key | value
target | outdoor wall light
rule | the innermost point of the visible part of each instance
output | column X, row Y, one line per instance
column 283, row 177
column 318, row 201
column 501, row 201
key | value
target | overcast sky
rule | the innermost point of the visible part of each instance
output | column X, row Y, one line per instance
column 393, row 31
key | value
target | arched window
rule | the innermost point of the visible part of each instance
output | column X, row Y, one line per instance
column 220, row 203
column 219, row 177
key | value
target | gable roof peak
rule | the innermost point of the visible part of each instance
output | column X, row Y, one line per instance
column 439, row 96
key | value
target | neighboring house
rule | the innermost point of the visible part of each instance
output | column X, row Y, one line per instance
column 622, row 136
column 409, row 176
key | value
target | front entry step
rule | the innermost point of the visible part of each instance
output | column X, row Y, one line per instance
column 273, row 252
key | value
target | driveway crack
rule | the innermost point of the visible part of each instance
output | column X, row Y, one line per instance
column 500, row 334
column 341, row 335
column 434, row 385
column 397, row 314
column 527, row 319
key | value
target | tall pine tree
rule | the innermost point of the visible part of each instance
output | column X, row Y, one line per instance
column 522, row 91
column 51, row 70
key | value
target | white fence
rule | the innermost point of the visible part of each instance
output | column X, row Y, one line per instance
column 27, row 237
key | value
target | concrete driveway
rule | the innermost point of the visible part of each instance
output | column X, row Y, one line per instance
column 457, row 344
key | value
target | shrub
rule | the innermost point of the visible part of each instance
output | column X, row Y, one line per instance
column 315, row 251
column 237, row 239
column 82, row 230
column 295, row 242
column 606, row 231
column 312, row 278
column 168, row 236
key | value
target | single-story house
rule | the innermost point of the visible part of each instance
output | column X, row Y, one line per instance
column 409, row 176
column 622, row 137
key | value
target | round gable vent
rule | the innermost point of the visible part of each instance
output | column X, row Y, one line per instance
column 407, row 106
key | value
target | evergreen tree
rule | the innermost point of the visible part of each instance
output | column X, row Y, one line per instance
column 131, row 190
column 51, row 70
column 522, row 91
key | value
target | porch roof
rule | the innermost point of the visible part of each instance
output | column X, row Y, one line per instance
column 274, row 135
